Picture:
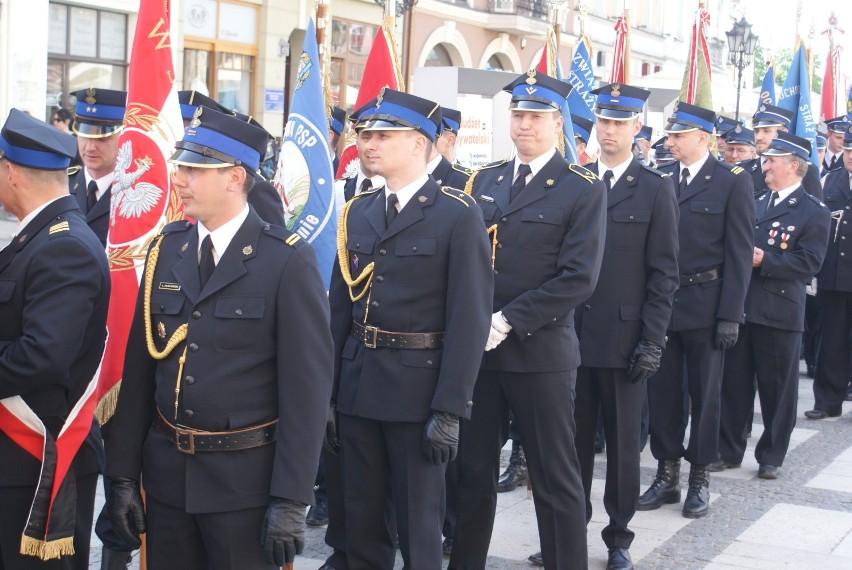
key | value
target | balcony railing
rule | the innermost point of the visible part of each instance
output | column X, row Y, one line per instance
column 536, row 9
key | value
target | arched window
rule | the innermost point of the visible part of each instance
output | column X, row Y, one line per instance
column 439, row 57
column 495, row 64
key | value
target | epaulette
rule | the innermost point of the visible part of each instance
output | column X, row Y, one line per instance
column 583, row 173
column 72, row 170
column 178, row 226
column 463, row 169
column 817, row 200
column 490, row 165
column 283, row 235
column 59, row 227
column 654, row 171
column 459, row 195
column 372, row 190
column 735, row 169
column 468, row 188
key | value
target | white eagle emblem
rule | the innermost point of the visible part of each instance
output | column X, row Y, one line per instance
column 131, row 201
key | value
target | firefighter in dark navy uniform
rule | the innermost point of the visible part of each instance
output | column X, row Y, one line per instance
column 411, row 302
column 622, row 326
column 549, row 219
column 443, row 170
column 227, row 374
column 790, row 238
column 98, row 117
column 99, row 114
column 766, row 122
column 834, row 294
column 834, row 144
column 54, row 292
column 264, row 198
column 715, row 233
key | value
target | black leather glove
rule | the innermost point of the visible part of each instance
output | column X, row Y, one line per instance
column 126, row 511
column 282, row 534
column 644, row 361
column 441, row 437
column 726, row 334
column 330, row 441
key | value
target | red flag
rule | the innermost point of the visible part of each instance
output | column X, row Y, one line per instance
column 833, row 85
column 828, row 110
column 620, row 52
column 143, row 200
column 381, row 70
column 696, row 82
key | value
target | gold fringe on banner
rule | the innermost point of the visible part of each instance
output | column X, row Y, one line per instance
column 47, row 550
column 106, row 405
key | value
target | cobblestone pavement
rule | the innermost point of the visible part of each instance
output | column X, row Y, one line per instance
column 803, row 520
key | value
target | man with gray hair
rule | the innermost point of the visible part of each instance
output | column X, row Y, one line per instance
column 790, row 239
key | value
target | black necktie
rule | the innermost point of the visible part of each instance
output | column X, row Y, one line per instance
column 390, row 216
column 772, row 201
column 366, row 184
column 684, row 174
column 524, row 170
column 206, row 264
column 607, row 178
column 91, row 195
column 833, row 162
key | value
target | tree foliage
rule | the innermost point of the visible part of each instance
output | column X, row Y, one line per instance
column 782, row 59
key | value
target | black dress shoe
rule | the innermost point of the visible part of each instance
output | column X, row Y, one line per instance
column 536, row 559
column 665, row 488
column 318, row 514
column 766, row 471
column 619, row 559
column 819, row 415
column 447, row 546
column 721, row 465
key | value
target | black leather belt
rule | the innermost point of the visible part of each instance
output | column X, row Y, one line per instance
column 373, row 337
column 703, row 277
column 190, row 441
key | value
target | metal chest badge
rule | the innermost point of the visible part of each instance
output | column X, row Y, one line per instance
column 161, row 330
column 354, row 261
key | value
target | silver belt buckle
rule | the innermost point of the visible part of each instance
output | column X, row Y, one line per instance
column 370, row 330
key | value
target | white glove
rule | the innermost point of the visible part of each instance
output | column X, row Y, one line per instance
column 499, row 322
column 499, row 331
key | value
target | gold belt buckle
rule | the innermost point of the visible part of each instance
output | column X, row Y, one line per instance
column 368, row 330
column 190, row 450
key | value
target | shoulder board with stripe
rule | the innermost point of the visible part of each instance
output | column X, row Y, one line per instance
column 737, row 170
column 292, row 240
column 178, row 226
column 372, row 190
column 491, row 165
column 459, row 195
column 584, row 173
column 463, row 169
column 72, row 170
column 60, row 227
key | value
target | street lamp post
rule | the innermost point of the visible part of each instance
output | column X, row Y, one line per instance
column 741, row 44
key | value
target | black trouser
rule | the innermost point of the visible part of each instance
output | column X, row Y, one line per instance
column 832, row 373
column 703, row 368
column 771, row 355
column 177, row 540
column 543, row 408
column 620, row 402
column 380, row 460
column 335, row 532
column 813, row 331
